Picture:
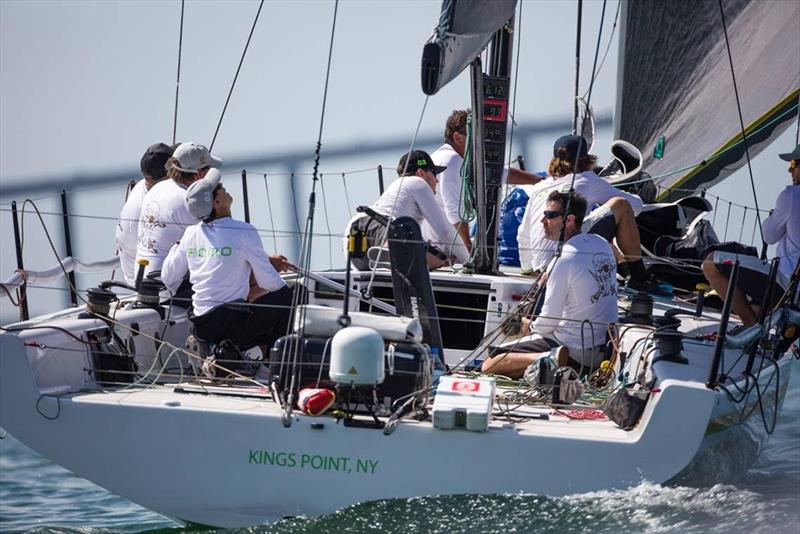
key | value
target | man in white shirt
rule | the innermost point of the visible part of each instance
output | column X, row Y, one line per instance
column 614, row 218
column 412, row 195
column 164, row 216
column 580, row 299
column 450, row 156
column 781, row 227
column 221, row 255
column 153, row 170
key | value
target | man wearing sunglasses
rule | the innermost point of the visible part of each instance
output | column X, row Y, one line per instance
column 782, row 227
column 580, row 298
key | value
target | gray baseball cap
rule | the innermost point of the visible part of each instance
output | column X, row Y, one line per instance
column 192, row 157
column 200, row 195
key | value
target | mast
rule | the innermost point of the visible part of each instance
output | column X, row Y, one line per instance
column 490, row 97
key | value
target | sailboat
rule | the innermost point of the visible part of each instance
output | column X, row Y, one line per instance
column 109, row 391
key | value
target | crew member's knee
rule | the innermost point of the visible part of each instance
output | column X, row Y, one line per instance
column 621, row 208
column 710, row 270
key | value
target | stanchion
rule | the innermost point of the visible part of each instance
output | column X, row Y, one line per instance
column 245, row 197
column 23, row 291
column 73, row 296
column 713, row 374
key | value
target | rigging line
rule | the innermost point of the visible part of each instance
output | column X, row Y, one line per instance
column 236, row 76
column 596, row 53
column 514, row 98
column 294, row 204
column 307, row 238
column 325, row 92
column 327, row 218
column 178, row 78
column 347, row 197
column 797, row 133
column 577, row 66
column 385, row 232
column 741, row 121
column 741, row 228
column 271, row 220
column 753, row 235
column 727, row 221
column 608, row 46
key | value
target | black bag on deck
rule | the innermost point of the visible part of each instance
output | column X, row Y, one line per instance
column 625, row 407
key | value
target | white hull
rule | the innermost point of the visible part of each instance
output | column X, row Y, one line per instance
column 229, row 461
column 199, row 458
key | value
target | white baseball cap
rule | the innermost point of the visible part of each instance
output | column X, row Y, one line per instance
column 200, row 195
column 192, row 157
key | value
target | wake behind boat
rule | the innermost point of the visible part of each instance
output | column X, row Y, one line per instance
column 110, row 391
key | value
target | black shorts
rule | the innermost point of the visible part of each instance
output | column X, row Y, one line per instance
column 753, row 275
column 606, row 227
column 247, row 325
column 374, row 231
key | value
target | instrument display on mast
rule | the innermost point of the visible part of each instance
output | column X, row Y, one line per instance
column 494, row 110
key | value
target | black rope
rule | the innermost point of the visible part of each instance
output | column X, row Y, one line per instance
column 271, row 220
column 325, row 93
column 597, row 51
column 741, row 228
column 178, row 79
column 577, row 66
column 741, row 121
column 304, row 259
column 565, row 209
column 516, row 79
column 727, row 221
column 233, row 84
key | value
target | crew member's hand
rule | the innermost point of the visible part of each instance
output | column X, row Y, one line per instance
column 279, row 262
column 526, row 326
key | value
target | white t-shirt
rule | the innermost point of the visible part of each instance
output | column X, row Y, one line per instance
column 535, row 250
column 219, row 257
column 127, row 232
column 162, row 221
column 783, row 227
column 582, row 285
column 448, row 192
column 411, row 196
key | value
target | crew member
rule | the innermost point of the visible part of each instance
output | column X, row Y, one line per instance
column 412, row 195
column 781, row 227
column 153, row 170
column 580, row 298
column 164, row 216
column 451, row 156
column 615, row 218
column 220, row 254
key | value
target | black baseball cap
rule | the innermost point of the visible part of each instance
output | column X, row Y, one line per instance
column 793, row 155
column 417, row 159
column 574, row 146
column 154, row 160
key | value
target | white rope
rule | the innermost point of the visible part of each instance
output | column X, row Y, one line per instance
column 68, row 264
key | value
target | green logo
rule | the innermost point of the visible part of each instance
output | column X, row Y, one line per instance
column 203, row 252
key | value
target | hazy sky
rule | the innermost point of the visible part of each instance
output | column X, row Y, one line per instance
column 86, row 86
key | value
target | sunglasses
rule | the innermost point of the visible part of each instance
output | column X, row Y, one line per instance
column 552, row 214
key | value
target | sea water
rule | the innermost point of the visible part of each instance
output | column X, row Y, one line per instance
column 36, row 495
